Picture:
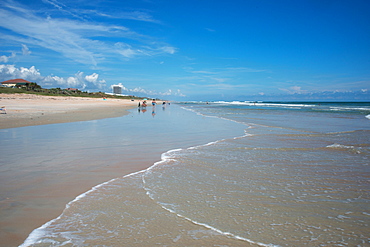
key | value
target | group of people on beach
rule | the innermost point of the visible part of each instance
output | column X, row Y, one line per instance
column 142, row 106
column 154, row 103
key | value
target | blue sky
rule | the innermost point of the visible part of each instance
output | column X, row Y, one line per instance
column 191, row 50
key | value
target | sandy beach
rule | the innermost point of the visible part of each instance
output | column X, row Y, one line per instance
column 29, row 109
column 31, row 198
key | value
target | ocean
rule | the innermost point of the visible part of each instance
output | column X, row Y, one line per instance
column 230, row 174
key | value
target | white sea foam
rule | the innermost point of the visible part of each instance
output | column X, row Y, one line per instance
column 349, row 108
column 252, row 103
column 293, row 105
column 35, row 236
column 208, row 144
column 214, row 142
column 215, row 229
column 163, row 205
column 343, row 217
column 336, row 145
column 203, row 115
column 164, row 158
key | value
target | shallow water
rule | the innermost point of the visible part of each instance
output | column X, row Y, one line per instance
column 298, row 175
column 40, row 159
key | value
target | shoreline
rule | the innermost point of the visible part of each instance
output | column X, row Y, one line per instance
column 30, row 110
column 27, row 204
column 57, row 168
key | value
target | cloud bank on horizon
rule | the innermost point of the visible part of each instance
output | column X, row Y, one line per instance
column 240, row 50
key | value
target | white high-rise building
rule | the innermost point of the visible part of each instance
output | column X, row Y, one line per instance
column 117, row 89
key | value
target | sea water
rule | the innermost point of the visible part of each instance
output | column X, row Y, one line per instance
column 266, row 174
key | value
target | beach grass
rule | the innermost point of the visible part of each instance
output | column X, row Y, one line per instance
column 63, row 92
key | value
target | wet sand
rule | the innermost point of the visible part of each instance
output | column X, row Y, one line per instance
column 30, row 197
column 30, row 110
column 38, row 197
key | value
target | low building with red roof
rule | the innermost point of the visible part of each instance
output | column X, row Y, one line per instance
column 15, row 82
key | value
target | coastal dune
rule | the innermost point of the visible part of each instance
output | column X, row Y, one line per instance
column 30, row 110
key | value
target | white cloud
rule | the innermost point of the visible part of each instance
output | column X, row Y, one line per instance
column 79, row 13
column 224, row 86
column 218, row 76
column 293, row 90
column 56, row 4
column 25, row 50
column 92, row 78
column 140, row 90
column 79, row 80
column 5, row 59
column 135, row 15
column 60, row 36
column 125, row 50
column 219, row 79
column 168, row 49
column 203, row 72
column 227, row 70
column 8, row 71
column 72, row 82
column 156, row 49
column 245, row 69
column 146, row 92
column 170, row 92
column 74, row 39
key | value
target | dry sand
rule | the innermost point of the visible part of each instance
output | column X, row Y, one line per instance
column 21, row 212
column 28, row 109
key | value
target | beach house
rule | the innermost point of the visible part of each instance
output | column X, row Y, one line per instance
column 75, row 90
column 15, row 83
